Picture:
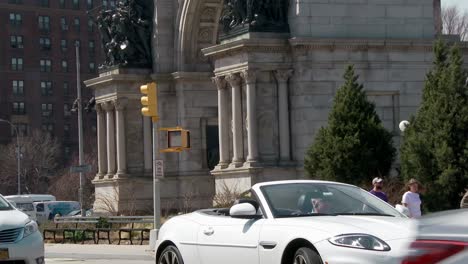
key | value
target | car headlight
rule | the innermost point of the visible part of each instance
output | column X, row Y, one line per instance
column 30, row 228
column 360, row 241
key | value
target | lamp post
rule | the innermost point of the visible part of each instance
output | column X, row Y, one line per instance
column 80, row 124
column 18, row 153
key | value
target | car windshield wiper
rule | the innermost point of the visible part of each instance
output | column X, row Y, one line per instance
column 304, row 215
column 376, row 214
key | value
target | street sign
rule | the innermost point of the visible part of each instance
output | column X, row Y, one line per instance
column 159, row 168
column 80, row 169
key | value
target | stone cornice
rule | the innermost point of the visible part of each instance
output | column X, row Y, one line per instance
column 99, row 81
column 247, row 45
column 361, row 44
column 192, row 76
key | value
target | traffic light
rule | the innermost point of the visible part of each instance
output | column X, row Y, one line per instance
column 149, row 101
column 178, row 139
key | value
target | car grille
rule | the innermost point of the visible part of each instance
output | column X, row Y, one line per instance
column 9, row 235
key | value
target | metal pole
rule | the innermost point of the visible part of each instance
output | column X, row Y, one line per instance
column 80, row 124
column 18, row 153
column 156, row 181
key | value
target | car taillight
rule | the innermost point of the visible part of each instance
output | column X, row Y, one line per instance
column 433, row 251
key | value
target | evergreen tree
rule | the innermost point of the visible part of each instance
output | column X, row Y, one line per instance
column 435, row 145
column 354, row 147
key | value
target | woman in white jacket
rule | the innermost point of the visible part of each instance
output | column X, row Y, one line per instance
column 411, row 199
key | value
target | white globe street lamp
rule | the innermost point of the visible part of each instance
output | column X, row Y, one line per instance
column 403, row 125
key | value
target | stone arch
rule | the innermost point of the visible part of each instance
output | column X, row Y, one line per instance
column 197, row 29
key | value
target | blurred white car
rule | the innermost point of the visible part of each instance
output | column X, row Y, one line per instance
column 289, row 222
column 20, row 239
column 441, row 238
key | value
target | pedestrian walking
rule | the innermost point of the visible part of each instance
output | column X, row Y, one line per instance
column 411, row 199
column 377, row 189
column 464, row 201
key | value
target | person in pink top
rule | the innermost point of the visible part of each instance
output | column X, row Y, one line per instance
column 411, row 199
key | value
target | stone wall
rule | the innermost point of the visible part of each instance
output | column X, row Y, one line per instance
column 389, row 19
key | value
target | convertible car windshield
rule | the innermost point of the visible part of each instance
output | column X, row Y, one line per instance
column 315, row 199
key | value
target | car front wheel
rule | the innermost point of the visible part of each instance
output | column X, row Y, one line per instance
column 306, row 255
column 170, row 255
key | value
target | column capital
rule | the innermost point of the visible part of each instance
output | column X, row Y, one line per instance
column 220, row 82
column 108, row 106
column 283, row 75
column 234, row 80
column 120, row 103
column 99, row 108
column 250, row 76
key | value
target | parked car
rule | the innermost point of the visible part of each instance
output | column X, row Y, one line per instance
column 441, row 238
column 20, row 239
column 47, row 210
column 307, row 222
column 26, row 202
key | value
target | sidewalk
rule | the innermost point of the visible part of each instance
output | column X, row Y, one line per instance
column 70, row 252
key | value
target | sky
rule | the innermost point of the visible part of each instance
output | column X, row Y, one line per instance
column 460, row 3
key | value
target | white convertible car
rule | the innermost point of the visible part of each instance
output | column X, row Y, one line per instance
column 290, row 222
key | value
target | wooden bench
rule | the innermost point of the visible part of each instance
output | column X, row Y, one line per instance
column 70, row 224
column 97, row 227
column 123, row 221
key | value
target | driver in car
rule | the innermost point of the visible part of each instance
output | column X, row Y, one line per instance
column 320, row 206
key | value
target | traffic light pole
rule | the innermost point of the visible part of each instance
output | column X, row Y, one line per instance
column 156, row 181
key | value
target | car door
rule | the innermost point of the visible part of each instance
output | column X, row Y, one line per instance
column 227, row 240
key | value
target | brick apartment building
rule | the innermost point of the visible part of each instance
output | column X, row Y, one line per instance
column 38, row 66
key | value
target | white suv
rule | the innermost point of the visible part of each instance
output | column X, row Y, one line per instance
column 20, row 239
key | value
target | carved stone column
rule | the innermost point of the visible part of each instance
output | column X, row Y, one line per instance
column 250, row 78
column 238, row 151
column 109, row 108
column 101, row 138
column 282, row 76
column 147, row 145
column 121, row 148
column 223, row 122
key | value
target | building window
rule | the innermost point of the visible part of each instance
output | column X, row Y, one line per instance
column 44, row 3
column 66, row 110
column 77, row 43
column 15, row 19
column 18, row 2
column 18, row 108
column 66, row 130
column 62, row 3
column 47, row 109
column 90, row 25
column 16, row 64
column 44, row 42
column 46, row 65
column 63, row 44
column 67, row 151
column 48, row 128
column 89, row 4
column 63, row 24
column 66, row 90
column 46, row 88
column 92, row 67
column 18, row 87
column 91, row 46
column 76, row 23
column 76, row 4
column 44, row 23
column 64, row 66
column 16, row 41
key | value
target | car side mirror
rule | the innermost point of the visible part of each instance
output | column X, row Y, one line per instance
column 243, row 210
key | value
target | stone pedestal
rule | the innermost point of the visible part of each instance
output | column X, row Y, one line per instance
column 257, row 68
column 121, row 143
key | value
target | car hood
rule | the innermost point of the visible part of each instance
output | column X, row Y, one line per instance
column 386, row 228
column 13, row 219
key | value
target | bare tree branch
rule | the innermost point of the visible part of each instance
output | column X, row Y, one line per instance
column 455, row 22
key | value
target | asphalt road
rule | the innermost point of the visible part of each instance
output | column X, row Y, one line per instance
column 97, row 254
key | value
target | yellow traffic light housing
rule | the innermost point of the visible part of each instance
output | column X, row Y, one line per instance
column 149, row 101
column 178, row 139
